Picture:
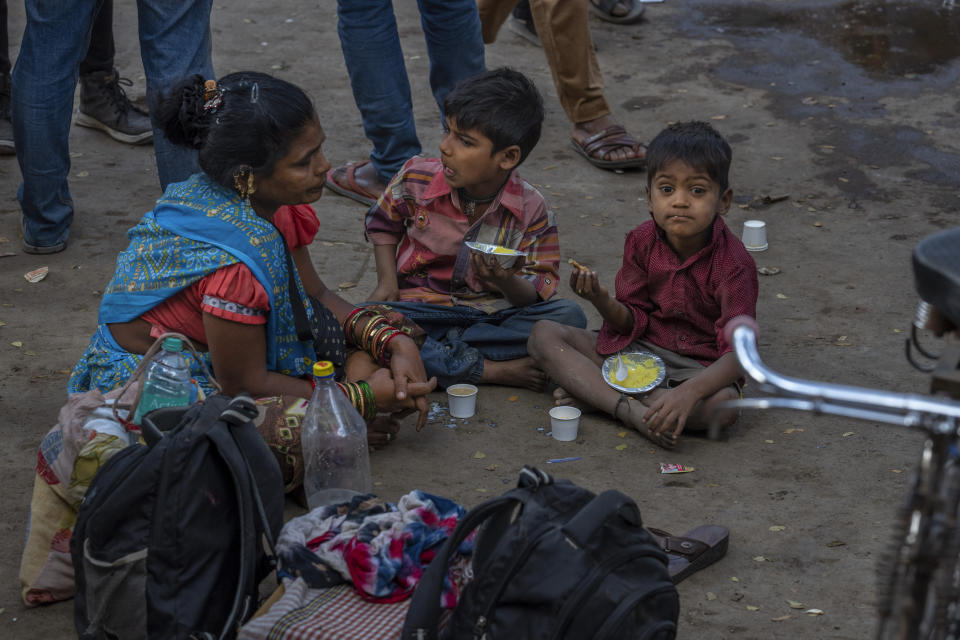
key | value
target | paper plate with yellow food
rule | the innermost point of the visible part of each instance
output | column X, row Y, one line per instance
column 504, row 255
column 634, row 371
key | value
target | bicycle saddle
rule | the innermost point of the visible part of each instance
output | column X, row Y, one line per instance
column 936, row 272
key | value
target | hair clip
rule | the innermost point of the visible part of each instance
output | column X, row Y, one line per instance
column 255, row 93
column 212, row 95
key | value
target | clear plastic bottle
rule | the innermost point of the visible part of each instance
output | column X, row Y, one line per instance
column 336, row 461
column 167, row 382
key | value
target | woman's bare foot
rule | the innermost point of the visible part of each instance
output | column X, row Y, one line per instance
column 630, row 413
column 522, row 372
column 563, row 398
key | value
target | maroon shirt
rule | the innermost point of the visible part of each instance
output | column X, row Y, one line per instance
column 682, row 307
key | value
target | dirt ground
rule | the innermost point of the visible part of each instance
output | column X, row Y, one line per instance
column 846, row 108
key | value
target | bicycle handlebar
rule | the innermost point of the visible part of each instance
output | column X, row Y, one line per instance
column 910, row 410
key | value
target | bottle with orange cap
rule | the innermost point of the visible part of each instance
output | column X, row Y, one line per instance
column 334, row 441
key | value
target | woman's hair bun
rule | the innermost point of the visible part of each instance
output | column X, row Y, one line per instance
column 181, row 116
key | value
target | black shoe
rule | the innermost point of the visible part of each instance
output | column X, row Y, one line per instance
column 104, row 105
column 521, row 23
column 6, row 127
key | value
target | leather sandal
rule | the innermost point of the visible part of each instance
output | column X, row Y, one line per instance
column 693, row 551
column 614, row 137
column 343, row 180
column 603, row 9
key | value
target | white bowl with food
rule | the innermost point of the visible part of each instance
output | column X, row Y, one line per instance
column 634, row 371
column 506, row 256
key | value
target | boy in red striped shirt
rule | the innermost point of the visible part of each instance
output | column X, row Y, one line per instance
column 684, row 276
column 477, row 314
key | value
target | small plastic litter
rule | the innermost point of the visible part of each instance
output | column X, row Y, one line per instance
column 37, row 274
column 671, row 467
column 559, row 460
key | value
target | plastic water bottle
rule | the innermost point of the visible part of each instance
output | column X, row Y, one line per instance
column 336, row 460
column 167, row 383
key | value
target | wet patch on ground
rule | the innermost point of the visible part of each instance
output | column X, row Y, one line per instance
column 831, row 65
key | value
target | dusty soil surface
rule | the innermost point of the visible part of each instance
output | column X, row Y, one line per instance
column 848, row 109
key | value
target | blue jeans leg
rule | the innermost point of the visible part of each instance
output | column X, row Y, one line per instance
column 444, row 355
column 460, row 338
column 378, row 77
column 175, row 43
column 503, row 335
column 454, row 43
column 44, row 79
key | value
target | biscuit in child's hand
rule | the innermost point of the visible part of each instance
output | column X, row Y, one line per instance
column 577, row 265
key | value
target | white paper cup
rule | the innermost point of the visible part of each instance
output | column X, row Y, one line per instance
column 564, row 421
column 755, row 235
column 462, row 400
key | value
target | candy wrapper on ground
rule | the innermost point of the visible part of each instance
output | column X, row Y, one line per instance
column 670, row 467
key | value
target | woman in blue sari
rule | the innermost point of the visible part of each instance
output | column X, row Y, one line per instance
column 223, row 259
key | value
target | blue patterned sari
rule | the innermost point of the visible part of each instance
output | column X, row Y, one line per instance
column 196, row 228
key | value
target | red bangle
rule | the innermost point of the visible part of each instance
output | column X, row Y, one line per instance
column 384, row 355
column 351, row 314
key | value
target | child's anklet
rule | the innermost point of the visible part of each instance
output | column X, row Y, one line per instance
column 616, row 408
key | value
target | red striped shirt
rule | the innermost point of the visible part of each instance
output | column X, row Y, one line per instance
column 683, row 307
column 420, row 213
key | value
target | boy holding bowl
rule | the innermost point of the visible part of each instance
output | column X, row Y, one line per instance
column 477, row 307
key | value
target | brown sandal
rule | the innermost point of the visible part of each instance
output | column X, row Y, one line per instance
column 343, row 180
column 695, row 550
column 597, row 146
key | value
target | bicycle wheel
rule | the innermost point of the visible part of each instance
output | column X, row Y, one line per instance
column 918, row 579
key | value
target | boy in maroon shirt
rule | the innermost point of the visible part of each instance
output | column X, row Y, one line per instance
column 684, row 276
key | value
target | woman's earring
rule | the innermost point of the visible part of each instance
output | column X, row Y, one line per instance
column 243, row 182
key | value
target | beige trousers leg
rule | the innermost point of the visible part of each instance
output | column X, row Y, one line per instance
column 565, row 34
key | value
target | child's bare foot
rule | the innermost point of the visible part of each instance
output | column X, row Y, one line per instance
column 563, row 398
column 631, row 413
column 522, row 372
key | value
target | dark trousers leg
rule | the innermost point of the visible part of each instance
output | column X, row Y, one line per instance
column 102, row 50
column 4, row 41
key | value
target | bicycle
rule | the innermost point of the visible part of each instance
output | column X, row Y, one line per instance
column 920, row 577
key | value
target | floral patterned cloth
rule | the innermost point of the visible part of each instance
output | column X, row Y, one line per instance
column 382, row 548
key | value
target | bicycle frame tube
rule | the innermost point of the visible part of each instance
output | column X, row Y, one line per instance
column 821, row 397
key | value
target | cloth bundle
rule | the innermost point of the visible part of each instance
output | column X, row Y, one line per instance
column 382, row 548
column 85, row 437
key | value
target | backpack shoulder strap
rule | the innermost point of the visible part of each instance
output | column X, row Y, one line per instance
column 244, row 488
column 424, row 612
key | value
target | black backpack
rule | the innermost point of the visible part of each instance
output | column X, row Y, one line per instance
column 552, row 560
column 169, row 537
